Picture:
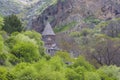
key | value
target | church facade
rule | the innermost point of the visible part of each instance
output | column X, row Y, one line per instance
column 48, row 37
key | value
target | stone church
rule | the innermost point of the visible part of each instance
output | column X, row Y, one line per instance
column 48, row 37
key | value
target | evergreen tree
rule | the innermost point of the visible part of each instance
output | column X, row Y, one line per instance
column 12, row 24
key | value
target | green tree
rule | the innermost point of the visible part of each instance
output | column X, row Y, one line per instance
column 56, row 63
column 109, row 72
column 38, row 38
column 106, row 50
column 13, row 59
column 80, row 61
column 3, row 73
column 2, row 59
column 2, row 55
column 64, row 56
column 12, row 24
column 72, row 75
column 24, row 71
column 1, row 44
column 1, row 22
column 41, row 70
column 25, row 48
column 91, row 76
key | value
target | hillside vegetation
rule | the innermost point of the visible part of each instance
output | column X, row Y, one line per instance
column 87, row 34
column 25, row 9
column 23, row 57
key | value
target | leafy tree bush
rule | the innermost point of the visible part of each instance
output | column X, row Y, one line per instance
column 13, row 59
column 1, row 44
column 80, row 61
column 28, row 73
column 2, row 59
column 64, row 56
column 12, row 24
column 38, row 38
column 56, row 63
column 24, row 71
column 2, row 55
column 109, row 72
column 41, row 70
column 26, row 49
column 106, row 50
column 72, row 75
column 26, row 46
column 91, row 76
column 3, row 73
column 1, row 22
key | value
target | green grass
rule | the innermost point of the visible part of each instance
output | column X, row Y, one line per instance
column 92, row 19
column 64, row 27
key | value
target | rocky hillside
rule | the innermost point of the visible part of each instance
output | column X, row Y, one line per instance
column 25, row 9
column 67, row 12
column 61, row 13
column 8, row 7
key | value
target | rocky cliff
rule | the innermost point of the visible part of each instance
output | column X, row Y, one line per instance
column 25, row 9
column 68, row 11
column 61, row 13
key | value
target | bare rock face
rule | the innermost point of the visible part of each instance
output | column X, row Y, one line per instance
column 67, row 11
column 63, row 12
column 36, row 12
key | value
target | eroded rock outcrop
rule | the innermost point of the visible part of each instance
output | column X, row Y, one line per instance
column 67, row 11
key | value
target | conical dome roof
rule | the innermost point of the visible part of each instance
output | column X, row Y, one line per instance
column 48, row 30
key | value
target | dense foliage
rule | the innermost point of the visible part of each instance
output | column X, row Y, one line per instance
column 1, row 22
column 12, row 24
column 100, row 44
column 23, row 57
